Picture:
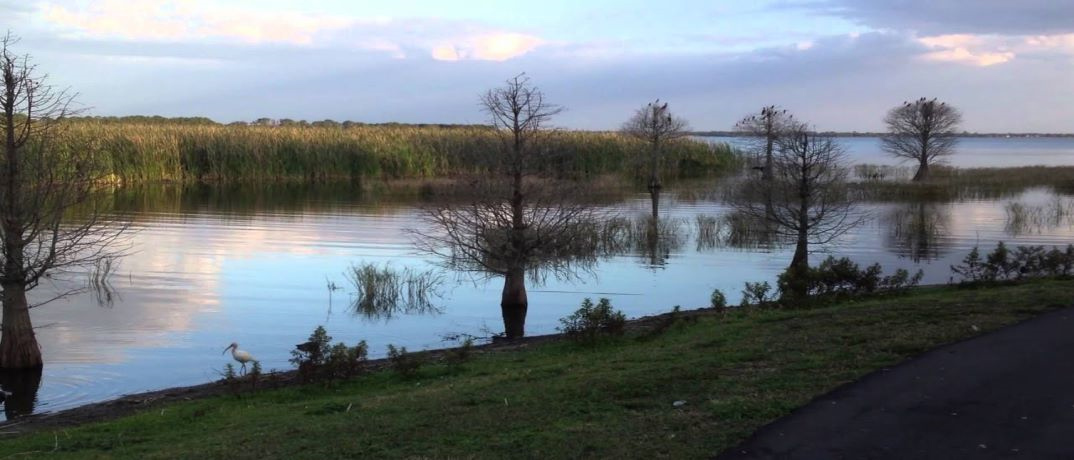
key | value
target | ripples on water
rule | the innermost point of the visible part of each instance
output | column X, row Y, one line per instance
column 211, row 266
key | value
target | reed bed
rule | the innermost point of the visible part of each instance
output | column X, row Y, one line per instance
column 160, row 151
column 950, row 184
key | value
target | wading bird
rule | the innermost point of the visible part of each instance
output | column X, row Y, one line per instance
column 241, row 356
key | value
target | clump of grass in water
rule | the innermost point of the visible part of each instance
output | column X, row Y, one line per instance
column 708, row 231
column 383, row 292
column 100, row 281
column 947, row 183
column 1024, row 218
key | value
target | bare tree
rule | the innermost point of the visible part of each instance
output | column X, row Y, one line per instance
column 768, row 127
column 48, row 224
column 656, row 126
column 923, row 131
column 517, row 224
column 806, row 200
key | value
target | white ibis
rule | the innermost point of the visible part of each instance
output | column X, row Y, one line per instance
column 241, row 356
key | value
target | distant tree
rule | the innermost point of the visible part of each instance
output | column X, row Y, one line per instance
column 923, row 131
column 767, row 127
column 514, row 225
column 658, row 128
column 47, row 223
column 806, row 199
column 655, row 125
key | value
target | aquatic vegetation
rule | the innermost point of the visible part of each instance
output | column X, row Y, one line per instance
column 950, row 184
column 383, row 292
column 163, row 151
column 1024, row 218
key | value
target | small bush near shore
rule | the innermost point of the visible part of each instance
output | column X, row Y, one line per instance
column 756, row 294
column 1025, row 262
column 843, row 278
column 316, row 360
column 718, row 300
column 590, row 321
column 403, row 362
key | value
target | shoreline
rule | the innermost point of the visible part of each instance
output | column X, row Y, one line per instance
column 129, row 404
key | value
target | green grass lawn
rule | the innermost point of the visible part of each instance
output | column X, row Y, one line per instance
column 736, row 372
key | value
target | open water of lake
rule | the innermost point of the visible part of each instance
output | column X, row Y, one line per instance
column 213, row 265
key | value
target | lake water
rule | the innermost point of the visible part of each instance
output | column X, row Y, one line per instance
column 209, row 266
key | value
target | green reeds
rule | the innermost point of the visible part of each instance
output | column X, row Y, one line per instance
column 161, row 151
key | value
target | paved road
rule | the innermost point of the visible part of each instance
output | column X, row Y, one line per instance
column 1008, row 394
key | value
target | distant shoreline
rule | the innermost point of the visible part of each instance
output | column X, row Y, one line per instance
column 860, row 134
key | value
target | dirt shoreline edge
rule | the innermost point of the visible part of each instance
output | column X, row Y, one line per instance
column 133, row 403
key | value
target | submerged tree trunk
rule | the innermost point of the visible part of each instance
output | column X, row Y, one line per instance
column 796, row 286
column 767, row 174
column 18, row 345
column 514, row 303
column 922, row 171
column 22, row 386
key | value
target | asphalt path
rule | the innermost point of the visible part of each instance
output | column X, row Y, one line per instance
column 1006, row 394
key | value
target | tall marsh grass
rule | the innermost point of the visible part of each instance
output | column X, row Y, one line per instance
column 950, row 184
column 162, row 151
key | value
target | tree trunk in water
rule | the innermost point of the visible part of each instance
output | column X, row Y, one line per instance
column 653, row 232
column 922, row 172
column 654, row 195
column 796, row 284
column 514, row 303
column 18, row 345
column 23, row 385
column 767, row 174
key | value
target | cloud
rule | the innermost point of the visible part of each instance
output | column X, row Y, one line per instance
column 487, row 47
column 193, row 20
column 963, row 48
column 943, row 17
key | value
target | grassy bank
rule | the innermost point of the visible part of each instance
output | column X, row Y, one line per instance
column 140, row 151
column 736, row 372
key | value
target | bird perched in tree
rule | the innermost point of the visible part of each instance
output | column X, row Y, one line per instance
column 241, row 356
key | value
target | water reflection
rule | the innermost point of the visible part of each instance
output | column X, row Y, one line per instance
column 19, row 391
column 651, row 239
column 918, row 231
column 249, row 265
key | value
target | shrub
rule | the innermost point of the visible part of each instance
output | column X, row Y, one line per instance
column 718, row 300
column 457, row 356
column 972, row 267
column 315, row 359
column 590, row 321
column 843, row 278
column 344, row 361
column 402, row 362
column 312, row 353
column 1025, row 262
column 756, row 293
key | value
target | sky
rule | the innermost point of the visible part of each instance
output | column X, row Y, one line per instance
column 836, row 64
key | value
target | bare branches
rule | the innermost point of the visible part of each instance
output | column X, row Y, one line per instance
column 656, row 126
column 768, row 128
column 519, row 113
column 807, row 197
column 49, row 224
column 922, row 130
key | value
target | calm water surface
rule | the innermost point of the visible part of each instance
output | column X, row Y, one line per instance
column 210, row 266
